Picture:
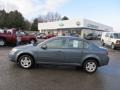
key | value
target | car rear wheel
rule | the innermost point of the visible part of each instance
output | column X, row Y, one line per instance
column 103, row 44
column 2, row 42
column 26, row 61
column 90, row 66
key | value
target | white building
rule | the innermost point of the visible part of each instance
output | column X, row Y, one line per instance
column 80, row 26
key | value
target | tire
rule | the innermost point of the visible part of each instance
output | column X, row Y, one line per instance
column 90, row 66
column 112, row 46
column 103, row 44
column 26, row 61
column 2, row 42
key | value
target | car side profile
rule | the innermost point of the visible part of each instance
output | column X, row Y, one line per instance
column 111, row 38
column 91, row 36
column 64, row 50
column 9, row 37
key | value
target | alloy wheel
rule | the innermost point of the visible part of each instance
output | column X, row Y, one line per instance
column 2, row 42
column 26, row 61
column 90, row 66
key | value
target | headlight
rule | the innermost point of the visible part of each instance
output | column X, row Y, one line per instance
column 13, row 50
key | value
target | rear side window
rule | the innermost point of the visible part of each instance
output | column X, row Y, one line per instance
column 73, row 43
column 85, row 45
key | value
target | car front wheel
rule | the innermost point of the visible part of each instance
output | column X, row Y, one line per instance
column 2, row 42
column 103, row 44
column 90, row 66
column 26, row 61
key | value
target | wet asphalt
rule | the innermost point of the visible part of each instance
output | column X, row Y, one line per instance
column 46, row 77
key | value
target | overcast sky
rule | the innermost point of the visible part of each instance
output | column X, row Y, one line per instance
column 103, row 11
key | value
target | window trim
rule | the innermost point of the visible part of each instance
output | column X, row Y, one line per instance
column 84, row 45
column 75, row 48
column 53, row 40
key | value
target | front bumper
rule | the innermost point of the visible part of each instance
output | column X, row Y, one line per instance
column 12, row 57
column 117, row 45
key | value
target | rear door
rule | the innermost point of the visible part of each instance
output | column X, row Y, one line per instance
column 25, row 37
column 106, row 39
column 73, row 52
column 110, row 39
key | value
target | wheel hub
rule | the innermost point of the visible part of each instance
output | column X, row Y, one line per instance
column 90, row 66
column 2, row 42
column 26, row 62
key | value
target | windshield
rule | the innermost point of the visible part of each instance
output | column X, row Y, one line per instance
column 42, row 42
column 117, row 35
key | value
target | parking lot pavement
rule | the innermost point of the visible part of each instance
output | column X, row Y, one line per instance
column 43, row 77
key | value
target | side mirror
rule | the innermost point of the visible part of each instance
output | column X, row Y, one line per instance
column 44, row 46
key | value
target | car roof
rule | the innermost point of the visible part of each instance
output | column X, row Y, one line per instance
column 68, row 37
column 72, row 37
column 111, row 32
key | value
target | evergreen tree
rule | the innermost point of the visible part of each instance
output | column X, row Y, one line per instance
column 65, row 18
column 34, row 26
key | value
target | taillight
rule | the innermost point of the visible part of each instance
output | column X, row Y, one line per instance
column 107, row 52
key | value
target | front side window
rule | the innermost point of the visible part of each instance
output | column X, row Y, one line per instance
column 107, row 35
column 73, row 43
column 111, row 36
column 117, row 35
column 57, row 43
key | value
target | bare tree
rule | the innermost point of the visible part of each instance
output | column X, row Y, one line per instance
column 49, row 17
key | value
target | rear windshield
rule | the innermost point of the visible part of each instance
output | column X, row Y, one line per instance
column 116, row 35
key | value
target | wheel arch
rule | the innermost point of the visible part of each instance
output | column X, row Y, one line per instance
column 2, row 38
column 91, row 58
column 25, row 54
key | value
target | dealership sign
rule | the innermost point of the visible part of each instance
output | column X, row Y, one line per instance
column 92, row 26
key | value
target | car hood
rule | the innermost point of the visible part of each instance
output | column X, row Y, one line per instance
column 23, row 47
column 117, row 39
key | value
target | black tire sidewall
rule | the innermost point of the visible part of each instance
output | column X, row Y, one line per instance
column 103, row 44
column 32, row 62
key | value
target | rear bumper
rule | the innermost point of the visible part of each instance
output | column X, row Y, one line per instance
column 105, row 61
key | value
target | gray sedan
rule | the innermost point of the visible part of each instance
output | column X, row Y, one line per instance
column 61, row 51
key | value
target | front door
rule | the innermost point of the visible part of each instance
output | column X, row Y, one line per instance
column 53, row 52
